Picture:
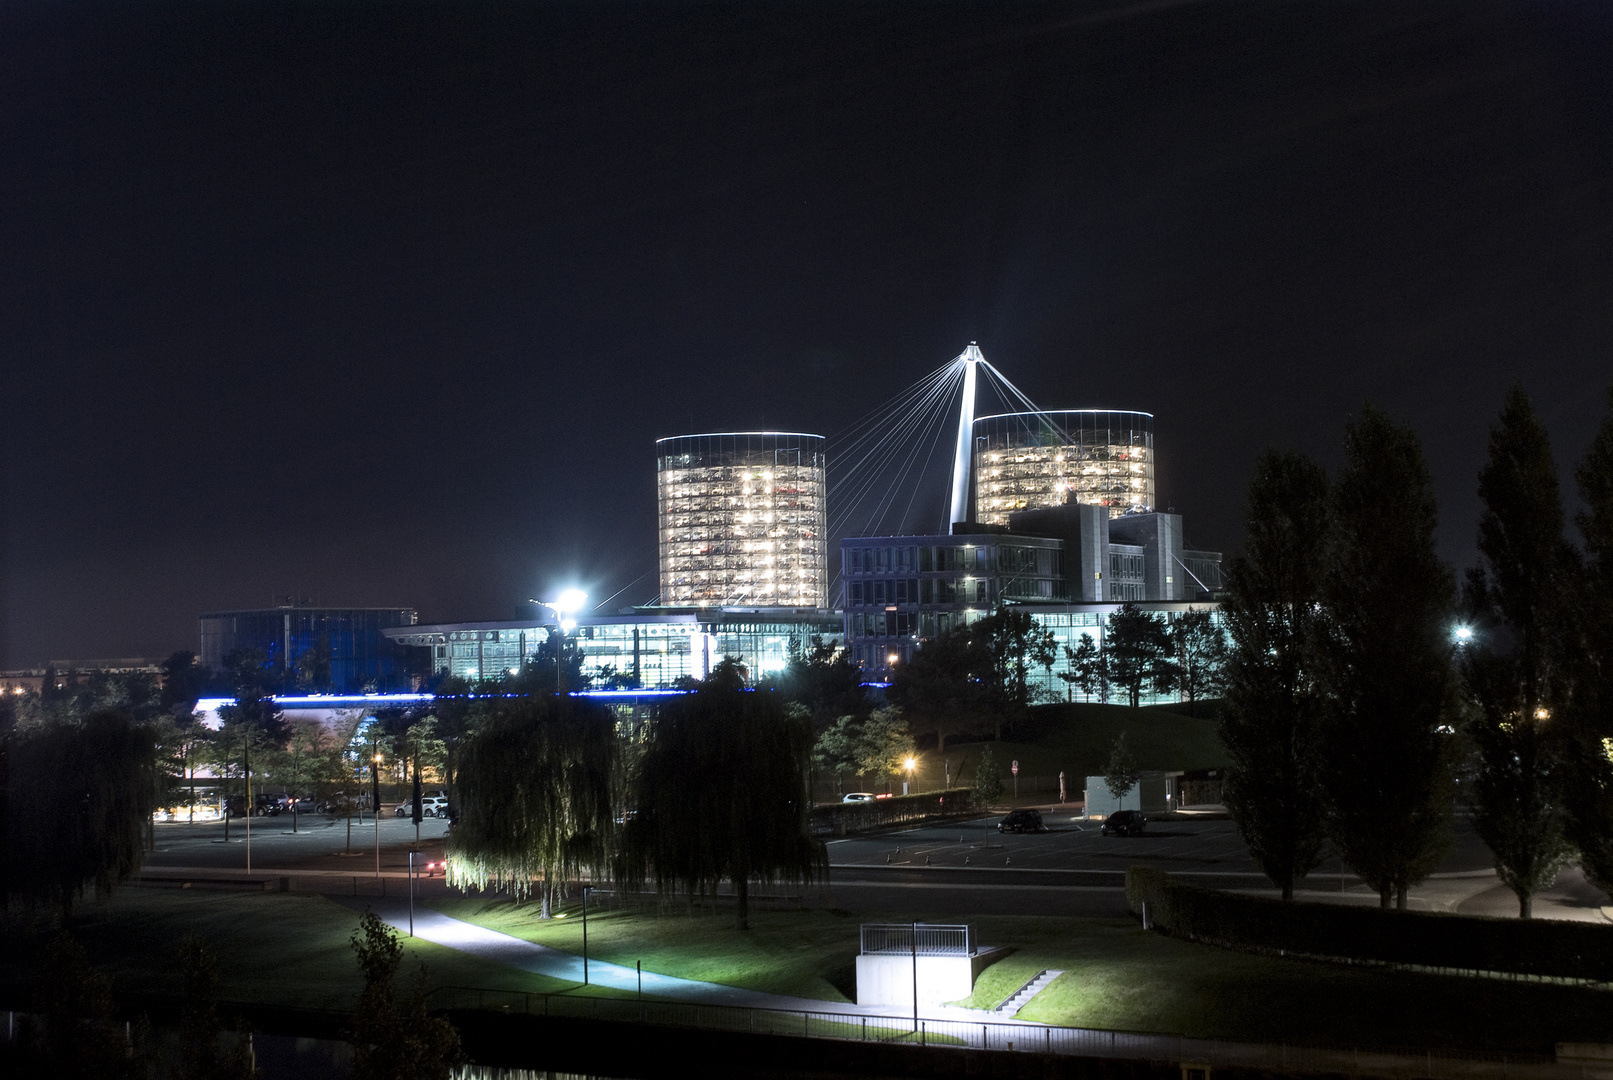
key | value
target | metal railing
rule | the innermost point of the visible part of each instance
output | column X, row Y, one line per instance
column 921, row 939
column 1018, row 1037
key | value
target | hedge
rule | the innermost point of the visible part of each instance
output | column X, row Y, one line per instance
column 1575, row 950
column 842, row 818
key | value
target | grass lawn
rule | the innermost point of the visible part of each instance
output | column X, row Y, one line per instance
column 1120, row 976
column 284, row 948
column 807, row 954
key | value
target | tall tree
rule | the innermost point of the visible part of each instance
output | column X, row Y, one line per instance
column 1512, row 668
column 79, row 798
column 945, row 689
column 1199, row 651
column 1387, row 655
column 1136, row 653
column 722, row 793
column 1015, row 644
column 539, row 792
column 1588, row 711
column 1270, row 721
column 1087, row 669
column 823, row 678
column 875, row 745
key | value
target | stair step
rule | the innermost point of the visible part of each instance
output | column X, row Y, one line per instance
column 1018, row 999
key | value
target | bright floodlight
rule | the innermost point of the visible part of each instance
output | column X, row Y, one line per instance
column 910, row 763
column 570, row 602
column 1464, row 634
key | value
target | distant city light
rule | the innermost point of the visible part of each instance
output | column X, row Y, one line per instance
column 1464, row 634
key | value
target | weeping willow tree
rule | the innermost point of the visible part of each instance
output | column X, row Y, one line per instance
column 79, row 795
column 722, row 793
column 537, row 790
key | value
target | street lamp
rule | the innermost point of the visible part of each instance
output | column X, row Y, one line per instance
column 375, row 806
column 909, row 763
column 565, row 608
column 1462, row 634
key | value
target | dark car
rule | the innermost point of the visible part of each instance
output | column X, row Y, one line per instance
column 1124, row 823
column 1022, row 821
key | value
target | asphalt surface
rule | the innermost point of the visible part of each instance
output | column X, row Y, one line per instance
column 960, row 869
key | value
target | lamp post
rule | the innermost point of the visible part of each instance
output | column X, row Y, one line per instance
column 565, row 608
column 908, row 763
column 375, row 806
column 411, row 894
column 585, row 891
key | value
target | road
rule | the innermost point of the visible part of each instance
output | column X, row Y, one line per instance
column 960, row 869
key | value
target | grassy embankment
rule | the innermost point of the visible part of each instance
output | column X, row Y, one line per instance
column 1078, row 738
column 284, row 949
column 293, row 949
column 1117, row 976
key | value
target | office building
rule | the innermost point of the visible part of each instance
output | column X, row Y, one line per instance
column 336, row 650
column 647, row 648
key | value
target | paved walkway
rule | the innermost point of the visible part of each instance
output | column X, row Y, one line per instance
column 524, row 955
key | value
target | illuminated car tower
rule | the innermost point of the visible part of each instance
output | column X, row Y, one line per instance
column 742, row 520
column 1024, row 461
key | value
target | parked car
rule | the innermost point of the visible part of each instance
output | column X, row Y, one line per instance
column 858, row 796
column 1022, row 821
column 433, row 806
column 1124, row 823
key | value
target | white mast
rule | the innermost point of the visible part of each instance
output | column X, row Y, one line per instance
column 966, row 420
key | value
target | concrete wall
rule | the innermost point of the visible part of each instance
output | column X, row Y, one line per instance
column 1155, row 793
column 888, row 980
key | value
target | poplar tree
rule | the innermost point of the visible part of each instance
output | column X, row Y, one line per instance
column 1387, row 660
column 1271, row 718
column 1511, row 669
column 1588, row 713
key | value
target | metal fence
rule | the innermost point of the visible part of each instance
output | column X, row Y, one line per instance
column 920, row 939
column 1018, row 1037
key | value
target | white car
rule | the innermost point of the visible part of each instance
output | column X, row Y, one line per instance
column 858, row 796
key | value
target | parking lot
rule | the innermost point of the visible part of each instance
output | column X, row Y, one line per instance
column 1071, row 843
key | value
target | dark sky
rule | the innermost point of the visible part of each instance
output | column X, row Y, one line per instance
column 386, row 304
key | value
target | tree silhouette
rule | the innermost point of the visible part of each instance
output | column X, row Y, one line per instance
column 1270, row 724
column 539, row 791
column 722, row 793
column 394, row 1040
column 79, row 797
column 1388, row 662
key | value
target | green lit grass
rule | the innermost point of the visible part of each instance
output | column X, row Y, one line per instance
column 807, row 954
column 1121, row 977
column 286, row 949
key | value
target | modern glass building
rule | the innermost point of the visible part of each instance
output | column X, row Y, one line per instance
column 742, row 519
column 1022, row 461
column 646, row 651
column 901, row 589
column 338, row 650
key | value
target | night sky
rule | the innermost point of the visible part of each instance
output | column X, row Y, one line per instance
column 386, row 304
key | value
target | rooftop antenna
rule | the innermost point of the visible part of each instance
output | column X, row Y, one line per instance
column 970, row 358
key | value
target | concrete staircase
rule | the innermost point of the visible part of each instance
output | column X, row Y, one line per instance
column 1029, row 990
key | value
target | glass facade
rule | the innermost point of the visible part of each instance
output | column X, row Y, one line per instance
column 340, row 650
column 650, row 652
column 900, row 589
column 1022, row 461
column 742, row 520
column 1068, row 624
